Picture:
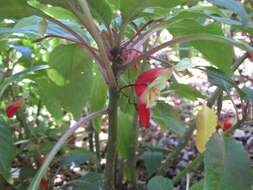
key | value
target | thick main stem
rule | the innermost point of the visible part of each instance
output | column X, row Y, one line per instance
column 112, row 140
column 131, row 163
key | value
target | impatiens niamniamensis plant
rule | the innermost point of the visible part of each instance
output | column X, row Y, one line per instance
column 102, row 63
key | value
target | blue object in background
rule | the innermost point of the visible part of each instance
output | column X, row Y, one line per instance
column 24, row 50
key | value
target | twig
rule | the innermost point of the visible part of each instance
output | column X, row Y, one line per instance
column 194, row 164
column 54, row 36
column 175, row 153
column 90, row 132
column 190, row 38
column 139, row 32
column 97, row 145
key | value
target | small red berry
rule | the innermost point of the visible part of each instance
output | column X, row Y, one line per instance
column 14, row 106
column 227, row 125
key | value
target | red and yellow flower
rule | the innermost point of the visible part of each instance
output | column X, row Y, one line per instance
column 147, row 89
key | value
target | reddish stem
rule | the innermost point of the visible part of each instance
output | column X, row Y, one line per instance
column 140, row 31
column 54, row 36
column 124, row 66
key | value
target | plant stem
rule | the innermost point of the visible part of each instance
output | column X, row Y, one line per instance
column 91, row 27
column 239, row 61
column 175, row 153
column 97, row 145
column 21, row 117
column 189, row 38
column 195, row 163
column 131, row 163
column 36, row 180
column 214, row 97
column 120, row 173
column 112, row 139
column 38, row 113
column 90, row 137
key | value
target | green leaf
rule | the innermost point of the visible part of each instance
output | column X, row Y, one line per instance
column 249, row 93
column 115, row 4
column 99, row 91
column 48, row 92
column 160, row 183
column 222, row 80
column 185, row 91
column 227, row 165
column 58, row 3
column 91, row 181
column 130, row 8
column 15, row 9
column 101, row 10
column 167, row 117
column 212, row 50
column 78, row 157
column 124, row 134
column 7, row 153
column 29, row 26
column 184, row 64
column 74, row 66
column 98, row 95
column 198, row 186
column 19, row 76
column 234, row 6
column 59, row 13
column 152, row 161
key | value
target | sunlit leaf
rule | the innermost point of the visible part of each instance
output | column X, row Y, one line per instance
column 73, row 68
column 15, row 9
column 206, row 122
column 131, row 8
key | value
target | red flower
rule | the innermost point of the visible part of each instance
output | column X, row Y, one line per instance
column 147, row 90
column 144, row 114
column 227, row 125
column 14, row 106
